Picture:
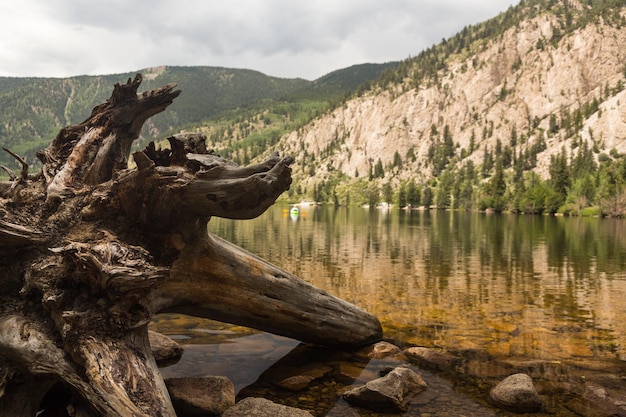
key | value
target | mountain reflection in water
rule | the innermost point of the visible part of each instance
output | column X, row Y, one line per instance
column 544, row 292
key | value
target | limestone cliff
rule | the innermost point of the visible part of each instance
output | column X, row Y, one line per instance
column 553, row 76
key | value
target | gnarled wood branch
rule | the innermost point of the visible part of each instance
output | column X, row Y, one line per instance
column 15, row 235
column 24, row 171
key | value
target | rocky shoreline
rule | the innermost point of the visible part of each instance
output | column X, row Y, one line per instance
column 385, row 378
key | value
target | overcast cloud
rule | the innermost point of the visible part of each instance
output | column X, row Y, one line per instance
column 283, row 38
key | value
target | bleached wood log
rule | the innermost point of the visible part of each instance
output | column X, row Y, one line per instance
column 221, row 281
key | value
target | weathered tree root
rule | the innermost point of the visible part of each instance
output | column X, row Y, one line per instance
column 91, row 250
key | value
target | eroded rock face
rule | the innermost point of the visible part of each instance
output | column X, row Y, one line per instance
column 517, row 393
column 211, row 395
column 537, row 82
column 260, row 407
column 391, row 393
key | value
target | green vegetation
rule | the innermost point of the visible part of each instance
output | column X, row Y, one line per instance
column 577, row 185
column 582, row 179
column 245, row 113
column 217, row 100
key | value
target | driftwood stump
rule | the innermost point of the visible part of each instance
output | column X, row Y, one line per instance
column 90, row 250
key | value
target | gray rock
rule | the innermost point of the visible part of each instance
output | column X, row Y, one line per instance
column 260, row 407
column 210, row 395
column 166, row 351
column 517, row 393
column 393, row 392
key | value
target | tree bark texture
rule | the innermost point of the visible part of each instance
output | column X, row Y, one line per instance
column 91, row 249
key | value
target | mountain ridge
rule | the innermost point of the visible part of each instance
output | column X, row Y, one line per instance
column 522, row 112
column 545, row 80
column 34, row 109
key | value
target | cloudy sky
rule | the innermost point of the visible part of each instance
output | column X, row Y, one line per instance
column 284, row 38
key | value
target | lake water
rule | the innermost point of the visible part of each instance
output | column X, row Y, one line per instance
column 545, row 295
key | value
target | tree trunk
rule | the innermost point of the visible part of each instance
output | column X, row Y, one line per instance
column 90, row 250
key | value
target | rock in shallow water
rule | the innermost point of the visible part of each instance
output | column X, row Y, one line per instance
column 393, row 392
column 432, row 358
column 517, row 393
column 383, row 349
column 260, row 407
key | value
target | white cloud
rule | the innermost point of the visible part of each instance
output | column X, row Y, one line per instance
column 278, row 37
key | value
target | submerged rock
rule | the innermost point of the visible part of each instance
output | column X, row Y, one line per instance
column 432, row 358
column 210, row 395
column 608, row 400
column 383, row 349
column 296, row 382
column 517, row 393
column 296, row 378
column 393, row 392
column 260, row 407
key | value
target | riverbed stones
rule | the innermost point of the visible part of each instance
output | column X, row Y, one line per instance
column 204, row 396
column 260, row 407
column 390, row 393
column 517, row 393
column 432, row 358
column 165, row 350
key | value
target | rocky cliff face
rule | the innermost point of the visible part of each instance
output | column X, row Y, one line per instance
column 528, row 84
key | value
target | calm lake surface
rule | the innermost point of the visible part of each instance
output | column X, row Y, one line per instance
column 511, row 289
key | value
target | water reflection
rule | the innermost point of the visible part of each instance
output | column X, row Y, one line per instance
column 508, row 293
column 533, row 286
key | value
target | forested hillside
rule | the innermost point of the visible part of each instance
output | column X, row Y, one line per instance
column 32, row 110
column 524, row 112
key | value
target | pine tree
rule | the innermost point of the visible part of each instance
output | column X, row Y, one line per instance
column 387, row 193
column 427, row 197
column 444, row 190
column 379, row 172
column 560, row 180
column 413, row 194
column 402, row 196
column 397, row 160
column 497, row 187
